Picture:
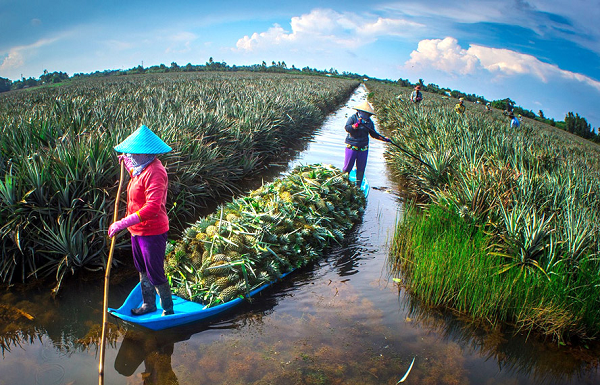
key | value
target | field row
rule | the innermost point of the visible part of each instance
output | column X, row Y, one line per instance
column 510, row 217
column 58, row 169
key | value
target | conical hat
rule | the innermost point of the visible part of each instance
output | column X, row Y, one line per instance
column 366, row 107
column 143, row 141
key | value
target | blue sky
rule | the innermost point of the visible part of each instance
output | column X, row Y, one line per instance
column 543, row 54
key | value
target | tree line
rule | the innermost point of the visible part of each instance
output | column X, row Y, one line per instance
column 573, row 123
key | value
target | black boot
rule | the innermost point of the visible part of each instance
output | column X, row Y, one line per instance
column 166, row 299
column 148, row 295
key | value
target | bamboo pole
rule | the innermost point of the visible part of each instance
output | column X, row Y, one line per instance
column 106, row 281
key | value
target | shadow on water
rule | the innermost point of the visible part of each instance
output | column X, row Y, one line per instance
column 341, row 320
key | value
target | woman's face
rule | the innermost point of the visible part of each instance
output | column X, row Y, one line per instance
column 364, row 115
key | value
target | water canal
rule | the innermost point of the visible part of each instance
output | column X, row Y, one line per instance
column 342, row 321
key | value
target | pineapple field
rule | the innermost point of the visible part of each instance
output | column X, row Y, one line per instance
column 59, row 172
column 504, row 221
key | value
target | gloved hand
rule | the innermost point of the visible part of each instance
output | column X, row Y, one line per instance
column 130, row 220
column 126, row 160
column 355, row 125
column 389, row 140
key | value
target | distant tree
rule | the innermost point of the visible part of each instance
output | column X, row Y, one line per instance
column 404, row 82
column 578, row 125
column 432, row 88
column 541, row 114
column 54, row 77
column 503, row 104
column 174, row 66
column 5, row 84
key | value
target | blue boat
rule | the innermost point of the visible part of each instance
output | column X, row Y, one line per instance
column 187, row 311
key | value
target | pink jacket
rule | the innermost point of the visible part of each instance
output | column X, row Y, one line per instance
column 147, row 196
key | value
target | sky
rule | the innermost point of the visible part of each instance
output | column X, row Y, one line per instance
column 543, row 54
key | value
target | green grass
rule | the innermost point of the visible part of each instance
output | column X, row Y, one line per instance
column 533, row 190
column 446, row 262
column 58, row 169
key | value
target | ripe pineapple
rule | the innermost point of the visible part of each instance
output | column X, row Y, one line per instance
column 228, row 293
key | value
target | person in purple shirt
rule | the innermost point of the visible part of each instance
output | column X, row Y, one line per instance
column 359, row 127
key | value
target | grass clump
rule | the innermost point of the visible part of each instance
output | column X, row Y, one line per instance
column 58, row 169
column 446, row 262
column 532, row 190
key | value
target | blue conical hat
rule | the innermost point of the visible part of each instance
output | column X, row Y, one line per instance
column 143, row 141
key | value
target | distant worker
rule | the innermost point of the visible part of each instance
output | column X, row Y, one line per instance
column 460, row 106
column 488, row 106
column 359, row 127
column 416, row 96
column 509, row 107
column 514, row 122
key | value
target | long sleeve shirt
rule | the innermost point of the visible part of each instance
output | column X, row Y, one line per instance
column 147, row 196
column 359, row 137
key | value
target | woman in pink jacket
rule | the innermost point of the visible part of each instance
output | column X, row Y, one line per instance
column 146, row 218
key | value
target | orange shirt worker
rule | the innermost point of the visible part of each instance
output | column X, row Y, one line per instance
column 146, row 218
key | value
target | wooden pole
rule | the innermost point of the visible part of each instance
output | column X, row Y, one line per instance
column 107, row 280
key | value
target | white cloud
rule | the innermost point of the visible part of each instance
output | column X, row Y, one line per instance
column 181, row 42
column 549, row 19
column 16, row 56
column 448, row 56
column 444, row 55
column 346, row 30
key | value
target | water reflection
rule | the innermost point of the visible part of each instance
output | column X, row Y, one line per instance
column 514, row 355
column 340, row 320
column 154, row 350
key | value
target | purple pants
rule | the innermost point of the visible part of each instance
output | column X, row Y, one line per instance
column 360, row 157
column 149, row 256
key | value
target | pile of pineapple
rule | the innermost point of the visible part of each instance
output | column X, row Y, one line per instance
column 255, row 239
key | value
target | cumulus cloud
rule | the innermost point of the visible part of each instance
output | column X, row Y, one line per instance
column 448, row 56
column 347, row 30
column 16, row 56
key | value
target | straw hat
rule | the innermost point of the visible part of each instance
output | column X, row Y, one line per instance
column 418, row 87
column 366, row 107
column 143, row 141
column 461, row 99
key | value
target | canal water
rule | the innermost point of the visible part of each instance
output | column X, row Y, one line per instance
column 343, row 320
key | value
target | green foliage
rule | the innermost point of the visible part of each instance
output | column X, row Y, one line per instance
column 256, row 238
column 532, row 190
column 5, row 84
column 54, row 77
column 58, row 171
column 445, row 261
column 577, row 125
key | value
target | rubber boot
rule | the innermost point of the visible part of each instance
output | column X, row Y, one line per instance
column 166, row 299
column 148, row 296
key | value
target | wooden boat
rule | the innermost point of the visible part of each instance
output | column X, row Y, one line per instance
column 188, row 311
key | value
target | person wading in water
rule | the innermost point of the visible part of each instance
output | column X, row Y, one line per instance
column 359, row 127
